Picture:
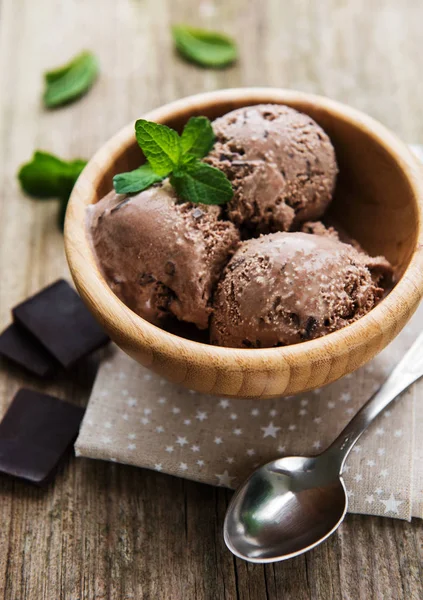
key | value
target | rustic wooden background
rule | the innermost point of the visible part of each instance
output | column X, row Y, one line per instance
column 105, row 531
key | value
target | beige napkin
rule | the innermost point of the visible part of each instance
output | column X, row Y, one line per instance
column 136, row 417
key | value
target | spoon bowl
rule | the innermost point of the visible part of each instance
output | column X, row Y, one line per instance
column 284, row 508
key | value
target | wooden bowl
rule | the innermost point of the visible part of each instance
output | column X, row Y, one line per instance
column 378, row 200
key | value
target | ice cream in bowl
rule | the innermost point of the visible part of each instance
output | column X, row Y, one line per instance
column 265, row 242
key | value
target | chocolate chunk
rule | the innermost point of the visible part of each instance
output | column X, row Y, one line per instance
column 295, row 319
column 235, row 263
column 21, row 347
column 170, row 268
column 308, row 169
column 59, row 320
column 269, row 116
column 310, row 326
column 247, row 344
column 35, row 433
column 146, row 278
column 277, row 303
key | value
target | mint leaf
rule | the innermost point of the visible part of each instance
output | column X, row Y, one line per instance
column 197, row 137
column 203, row 184
column 203, row 47
column 67, row 83
column 160, row 144
column 135, row 181
column 47, row 176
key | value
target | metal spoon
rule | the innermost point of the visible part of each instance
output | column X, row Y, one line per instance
column 292, row 504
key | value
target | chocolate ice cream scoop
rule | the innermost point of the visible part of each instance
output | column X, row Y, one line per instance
column 159, row 256
column 285, row 288
column 380, row 268
column 281, row 164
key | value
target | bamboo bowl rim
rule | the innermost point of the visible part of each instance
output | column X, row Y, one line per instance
column 132, row 330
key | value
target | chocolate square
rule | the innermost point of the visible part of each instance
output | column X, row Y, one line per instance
column 21, row 347
column 35, row 433
column 59, row 320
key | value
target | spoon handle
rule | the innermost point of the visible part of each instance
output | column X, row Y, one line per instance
column 408, row 370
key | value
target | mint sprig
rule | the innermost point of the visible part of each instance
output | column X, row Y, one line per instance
column 47, row 176
column 177, row 157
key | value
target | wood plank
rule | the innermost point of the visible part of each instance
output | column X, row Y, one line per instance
column 111, row 531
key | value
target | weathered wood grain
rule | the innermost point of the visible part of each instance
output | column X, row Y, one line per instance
column 105, row 531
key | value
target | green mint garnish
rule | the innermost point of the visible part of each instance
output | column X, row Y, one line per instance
column 47, row 176
column 203, row 184
column 178, row 157
column 136, row 181
column 67, row 83
column 203, row 47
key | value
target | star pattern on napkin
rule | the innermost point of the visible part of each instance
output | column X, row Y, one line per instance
column 270, row 430
column 189, row 454
column 391, row 505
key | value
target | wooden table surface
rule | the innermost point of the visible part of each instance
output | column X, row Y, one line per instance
column 105, row 531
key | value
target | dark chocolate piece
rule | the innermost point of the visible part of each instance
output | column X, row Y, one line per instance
column 59, row 320
column 35, row 433
column 21, row 347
